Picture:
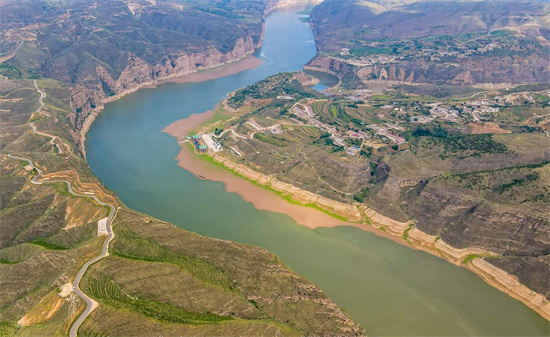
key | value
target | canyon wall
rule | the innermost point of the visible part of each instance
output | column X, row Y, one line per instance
column 467, row 72
column 85, row 99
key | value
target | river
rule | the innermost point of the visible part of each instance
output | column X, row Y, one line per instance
column 388, row 288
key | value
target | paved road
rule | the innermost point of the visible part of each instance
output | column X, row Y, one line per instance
column 39, row 111
column 90, row 303
column 40, row 100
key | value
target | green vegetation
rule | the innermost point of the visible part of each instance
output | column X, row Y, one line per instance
column 5, row 261
column 107, row 291
column 270, row 140
column 472, row 145
column 405, row 235
column 9, row 71
column 269, row 88
column 360, row 197
column 132, row 246
column 469, row 258
column 8, row 328
column 518, row 182
column 47, row 245
column 430, row 131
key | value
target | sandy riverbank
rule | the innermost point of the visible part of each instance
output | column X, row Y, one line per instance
column 261, row 197
column 247, row 63
column 265, row 199
column 247, row 183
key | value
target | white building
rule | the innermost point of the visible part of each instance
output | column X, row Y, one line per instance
column 210, row 143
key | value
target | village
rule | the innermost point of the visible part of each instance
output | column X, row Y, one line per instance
column 394, row 51
column 384, row 127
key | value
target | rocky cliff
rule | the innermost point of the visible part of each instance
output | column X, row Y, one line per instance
column 85, row 98
column 486, row 71
column 103, row 85
column 101, row 50
column 452, row 43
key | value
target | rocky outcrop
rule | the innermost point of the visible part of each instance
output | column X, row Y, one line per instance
column 467, row 72
column 85, row 99
column 330, row 65
column 466, row 223
column 510, row 284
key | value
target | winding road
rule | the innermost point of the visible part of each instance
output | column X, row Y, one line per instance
column 39, row 111
column 40, row 100
column 90, row 303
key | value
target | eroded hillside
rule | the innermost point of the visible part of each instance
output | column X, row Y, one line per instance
column 486, row 43
column 106, row 48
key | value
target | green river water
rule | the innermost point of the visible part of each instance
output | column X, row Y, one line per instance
column 390, row 289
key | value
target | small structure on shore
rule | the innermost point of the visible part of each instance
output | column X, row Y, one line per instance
column 199, row 146
column 353, row 151
column 204, row 142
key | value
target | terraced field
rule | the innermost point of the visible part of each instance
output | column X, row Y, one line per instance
column 192, row 284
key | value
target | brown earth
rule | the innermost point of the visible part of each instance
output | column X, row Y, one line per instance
column 483, row 128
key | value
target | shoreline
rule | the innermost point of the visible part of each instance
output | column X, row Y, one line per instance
column 247, row 62
column 263, row 198
column 267, row 193
column 381, row 225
